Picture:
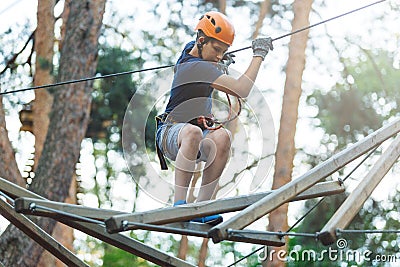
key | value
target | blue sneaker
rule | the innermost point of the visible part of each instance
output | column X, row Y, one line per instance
column 180, row 202
column 211, row 219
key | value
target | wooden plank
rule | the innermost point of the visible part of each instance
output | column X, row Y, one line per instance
column 39, row 235
column 182, row 228
column 353, row 203
column 123, row 242
column 194, row 210
column 127, row 244
column 22, row 205
column 295, row 187
column 16, row 191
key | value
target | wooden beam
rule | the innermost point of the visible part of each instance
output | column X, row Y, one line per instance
column 39, row 235
column 353, row 203
column 189, row 211
column 15, row 191
column 22, row 205
column 182, row 228
column 295, row 187
column 127, row 244
column 121, row 241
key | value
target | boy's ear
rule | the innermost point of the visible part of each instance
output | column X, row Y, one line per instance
column 201, row 39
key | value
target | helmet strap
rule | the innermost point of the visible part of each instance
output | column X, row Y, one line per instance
column 200, row 44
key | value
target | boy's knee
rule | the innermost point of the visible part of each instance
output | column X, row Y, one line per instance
column 192, row 133
column 223, row 139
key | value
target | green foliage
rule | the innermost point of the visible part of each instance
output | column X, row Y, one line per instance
column 229, row 249
column 115, row 257
column 111, row 96
column 366, row 97
column 343, row 115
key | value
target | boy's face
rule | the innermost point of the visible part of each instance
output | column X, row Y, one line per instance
column 214, row 50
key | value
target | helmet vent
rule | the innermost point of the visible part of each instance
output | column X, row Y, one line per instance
column 211, row 19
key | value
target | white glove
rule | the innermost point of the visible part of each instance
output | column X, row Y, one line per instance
column 261, row 47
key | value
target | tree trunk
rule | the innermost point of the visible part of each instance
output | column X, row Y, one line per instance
column 264, row 9
column 222, row 6
column 44, row 45
column 286, row 148
column 203, row 253
column 64, row 17
column 183, row 247
column 68, row 123
column 8, row 166
column 41, row 107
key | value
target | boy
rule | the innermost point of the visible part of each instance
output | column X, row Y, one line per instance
column 181, row 136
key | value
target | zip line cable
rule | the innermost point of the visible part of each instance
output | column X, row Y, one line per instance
column 168, row 66
column 10, row 6
column 84, row 79
column 359, row 164
column 245, row 257
column 313, row 25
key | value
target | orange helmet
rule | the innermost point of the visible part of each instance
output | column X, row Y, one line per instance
column 216, row 25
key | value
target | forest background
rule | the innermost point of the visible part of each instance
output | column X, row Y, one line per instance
column 348, row 89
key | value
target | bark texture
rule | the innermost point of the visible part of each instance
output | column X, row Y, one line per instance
column 68, row 123
column 8, row 166
column 44, row 43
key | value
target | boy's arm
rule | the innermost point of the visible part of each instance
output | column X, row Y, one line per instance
column 241, row 86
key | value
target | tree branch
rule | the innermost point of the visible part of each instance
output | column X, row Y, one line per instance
column 11, row 62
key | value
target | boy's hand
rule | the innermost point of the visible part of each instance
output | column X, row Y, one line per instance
column 261, row 47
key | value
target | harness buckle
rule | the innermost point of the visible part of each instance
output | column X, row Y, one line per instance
column 163, row 163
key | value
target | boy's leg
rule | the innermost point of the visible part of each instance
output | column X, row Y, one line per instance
column 217, row 147
column 189, row 139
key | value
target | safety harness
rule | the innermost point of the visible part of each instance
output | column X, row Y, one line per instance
column 204, row 122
